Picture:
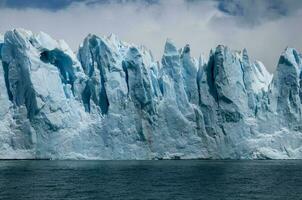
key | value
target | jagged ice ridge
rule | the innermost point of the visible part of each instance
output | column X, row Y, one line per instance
column 114, row 101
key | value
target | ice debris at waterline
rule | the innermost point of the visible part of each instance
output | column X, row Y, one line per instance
column 114, row 101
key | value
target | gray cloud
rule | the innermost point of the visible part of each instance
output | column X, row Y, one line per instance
column 254, row 12
column 49, row 4
column 202, row 24
column 55, row 5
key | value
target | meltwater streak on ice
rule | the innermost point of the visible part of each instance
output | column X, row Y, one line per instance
column 114, row 101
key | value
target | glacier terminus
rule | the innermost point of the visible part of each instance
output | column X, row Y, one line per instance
column 113, row 100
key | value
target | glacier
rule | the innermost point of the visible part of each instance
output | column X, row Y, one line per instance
column 113, row 100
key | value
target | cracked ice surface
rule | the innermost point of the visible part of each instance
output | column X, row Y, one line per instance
column 112, row 100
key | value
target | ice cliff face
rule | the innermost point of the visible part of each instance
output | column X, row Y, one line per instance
column 114, row 101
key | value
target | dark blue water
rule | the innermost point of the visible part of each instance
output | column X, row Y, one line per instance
column 150, row 180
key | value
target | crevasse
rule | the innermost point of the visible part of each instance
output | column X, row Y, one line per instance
column 112, row 100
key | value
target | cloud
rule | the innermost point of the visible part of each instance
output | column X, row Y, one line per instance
column 202, row 24
column 254, row 12
column 55, row 5
column 24, row 4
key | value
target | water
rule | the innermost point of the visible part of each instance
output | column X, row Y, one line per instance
column 195, row 179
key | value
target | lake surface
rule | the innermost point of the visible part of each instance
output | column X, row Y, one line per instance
column 195, row 179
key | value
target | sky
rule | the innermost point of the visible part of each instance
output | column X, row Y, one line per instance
column 264, row 27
